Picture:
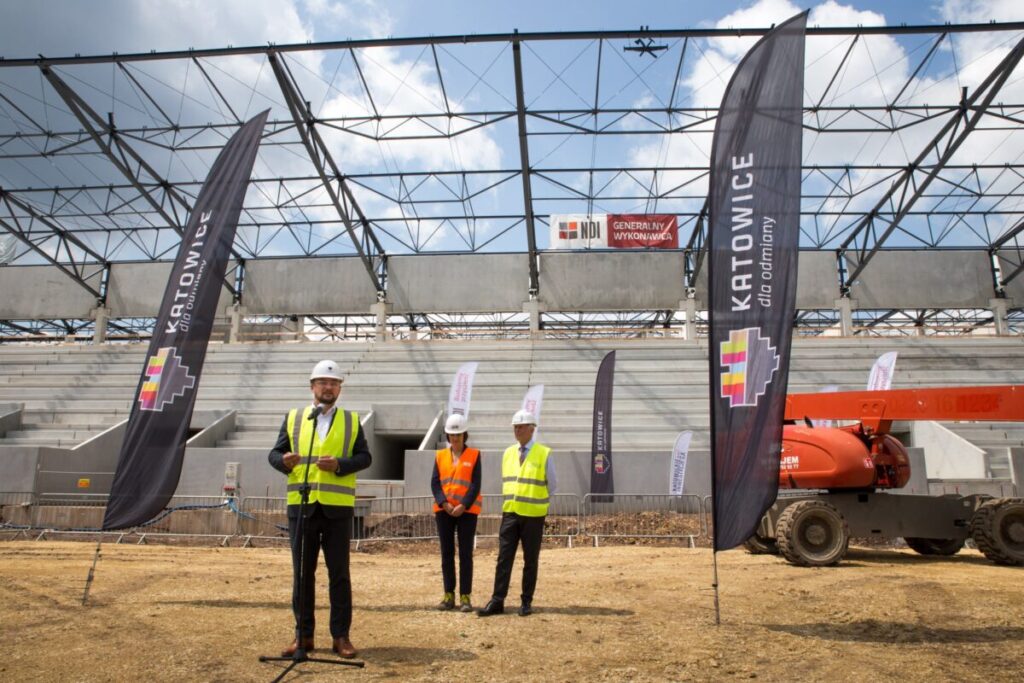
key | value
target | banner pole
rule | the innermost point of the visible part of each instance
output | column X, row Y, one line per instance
column 714, row 585
column 92, row 571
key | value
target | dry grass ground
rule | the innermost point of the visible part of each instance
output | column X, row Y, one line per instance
column 162, row 613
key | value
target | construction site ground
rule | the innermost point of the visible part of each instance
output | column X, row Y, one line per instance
column 611, row 613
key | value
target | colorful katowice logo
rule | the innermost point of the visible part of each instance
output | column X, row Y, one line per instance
column 168, row 379
column 752, row 363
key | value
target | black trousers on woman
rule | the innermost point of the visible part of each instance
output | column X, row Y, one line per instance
column 447, row 527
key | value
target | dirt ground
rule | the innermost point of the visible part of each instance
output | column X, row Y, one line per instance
column 615, row 613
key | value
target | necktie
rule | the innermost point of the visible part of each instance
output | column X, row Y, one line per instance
column 522, row 454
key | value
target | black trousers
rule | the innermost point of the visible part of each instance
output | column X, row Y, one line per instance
column 515, row 530
column 447, row 527
column 334, row 536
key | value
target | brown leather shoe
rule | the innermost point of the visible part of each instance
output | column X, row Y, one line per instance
column 343, row 646
column 290, row 650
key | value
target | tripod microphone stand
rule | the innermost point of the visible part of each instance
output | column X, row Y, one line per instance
column 300, row 654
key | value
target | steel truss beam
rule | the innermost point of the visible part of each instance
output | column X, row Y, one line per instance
column 124, row 157
column 905, row 186
column 369, row 249
column 524, row 157
column 172, row 207
column 510, row 37
column 66, row 245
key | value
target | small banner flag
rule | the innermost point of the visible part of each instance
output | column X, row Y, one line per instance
column 880, row 378
column 533, row 401
column 461, row 390
column 752, row 259
column 677, row 478
column 149, row 464
column 601, row 442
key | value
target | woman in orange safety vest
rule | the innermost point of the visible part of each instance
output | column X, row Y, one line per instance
column 455, row 484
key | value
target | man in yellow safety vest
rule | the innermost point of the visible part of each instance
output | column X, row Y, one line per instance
column 527, row 484
column 329, row 442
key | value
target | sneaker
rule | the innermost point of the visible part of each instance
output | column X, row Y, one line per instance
column 447, row 603
column 464, row 604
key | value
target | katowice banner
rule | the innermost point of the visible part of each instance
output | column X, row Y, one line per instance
column 880, row 377
column 533, row 402
column 461, row 391
column 752, row 246
column 601, row 441
column 149, row 464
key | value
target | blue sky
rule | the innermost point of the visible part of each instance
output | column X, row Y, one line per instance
column 559, row 75
column 64, row 27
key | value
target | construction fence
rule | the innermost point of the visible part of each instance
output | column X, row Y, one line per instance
column 254, row 519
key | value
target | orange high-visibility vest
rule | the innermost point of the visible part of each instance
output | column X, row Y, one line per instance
column 457, row 476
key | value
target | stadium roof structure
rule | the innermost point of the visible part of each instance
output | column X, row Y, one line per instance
column 469, row 144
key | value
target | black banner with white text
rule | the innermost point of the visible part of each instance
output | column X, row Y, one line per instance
column 601, row 480
column 752, row 246
column 149, row 464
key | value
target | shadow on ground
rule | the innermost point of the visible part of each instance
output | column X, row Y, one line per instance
column 875, row 631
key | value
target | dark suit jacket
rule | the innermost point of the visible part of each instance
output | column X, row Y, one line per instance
column 360, row 460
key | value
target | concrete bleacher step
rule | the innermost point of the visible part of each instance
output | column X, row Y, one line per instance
column 661, row 386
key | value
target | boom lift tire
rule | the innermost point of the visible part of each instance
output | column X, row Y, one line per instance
column 997, row 528
column 935, row 546
column 812, row 533
column 761, row 545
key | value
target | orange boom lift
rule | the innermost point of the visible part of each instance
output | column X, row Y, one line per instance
column 851, row 468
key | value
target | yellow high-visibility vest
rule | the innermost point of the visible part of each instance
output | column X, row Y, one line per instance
column 327, row 488
column 525, row 487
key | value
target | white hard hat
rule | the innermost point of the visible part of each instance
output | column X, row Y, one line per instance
column 456, row 424
column 326, row 369
column 523, row 417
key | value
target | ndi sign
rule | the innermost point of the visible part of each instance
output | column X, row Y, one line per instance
column 615, row 231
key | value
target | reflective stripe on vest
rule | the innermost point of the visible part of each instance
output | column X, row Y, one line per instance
column 457, row 477
column 525, row 487
column 327, row 488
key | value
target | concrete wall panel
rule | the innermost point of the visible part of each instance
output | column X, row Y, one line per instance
column 604, row 281
column 42, row 292
column 136, row 290
column 310, row 285
column 925, row 279
column 467, row 283
column 817, row 284
column 1015, row 289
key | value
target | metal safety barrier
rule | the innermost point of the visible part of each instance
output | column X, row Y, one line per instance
column 194, row 516
column 406, row 518
column 708, row 516
column 562, row 521
column 16, row 509
column 650, row 516
column 263, row 517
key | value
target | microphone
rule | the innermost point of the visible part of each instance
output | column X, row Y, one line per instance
column 317, row 409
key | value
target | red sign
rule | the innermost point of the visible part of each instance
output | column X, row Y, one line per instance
column 658, row 231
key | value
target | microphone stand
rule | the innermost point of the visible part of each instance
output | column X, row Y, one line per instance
column 300, row 654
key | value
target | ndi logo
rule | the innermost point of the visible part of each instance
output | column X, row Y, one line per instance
column 168, row 379
column 571, row 230
column 752, row 363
